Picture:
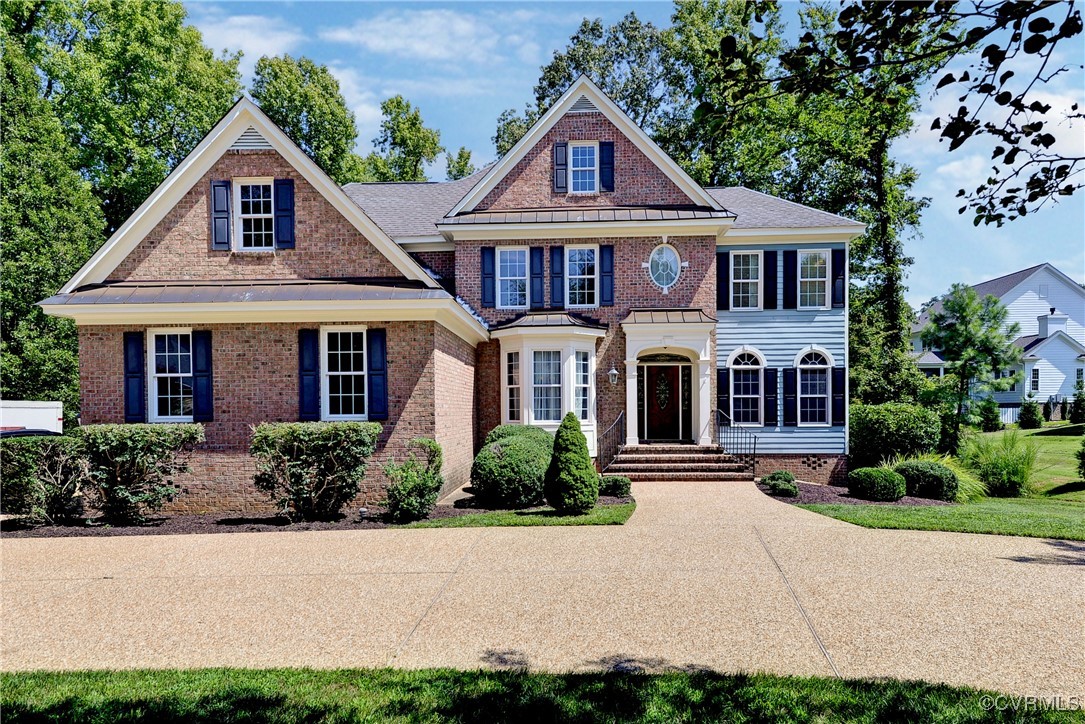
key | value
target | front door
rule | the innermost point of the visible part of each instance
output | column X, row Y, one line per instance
column 663, row 402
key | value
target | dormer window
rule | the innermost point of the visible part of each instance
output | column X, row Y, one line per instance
column 255, row 214
column 584, row 158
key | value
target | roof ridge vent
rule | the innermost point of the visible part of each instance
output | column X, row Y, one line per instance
column 250, row 139
column 583, row 104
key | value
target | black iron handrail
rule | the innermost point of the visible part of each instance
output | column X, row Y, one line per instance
column 736, row 441
column 611, row 442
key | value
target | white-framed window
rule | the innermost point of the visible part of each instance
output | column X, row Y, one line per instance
column 581, row 276
column 582, row 385
column 169, row 367
column 254, row 214
column 343, row 373
column 746, row 389
column 1035, row 386
column 664, row 267
column 512, row 277
column 813, row 389
column 584, row 167
column 546, row 385
column 745, row 280
column 1009, row 373
column 813, row 280
column 1080, row 374
column 512, row 385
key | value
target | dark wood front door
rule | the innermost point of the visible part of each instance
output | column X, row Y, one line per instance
column 663, row 402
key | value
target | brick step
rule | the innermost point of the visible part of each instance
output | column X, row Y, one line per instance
column 686, row 476
column 675, row 449
column 676, row 459
column 620, row 467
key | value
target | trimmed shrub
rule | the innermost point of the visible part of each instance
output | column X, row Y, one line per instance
column 924, row 479
column 312, row 469
column 881, row 484
column 509, row 472
column 42, row 477
column 1048, row 410
column 1031, row 417
column 878, row 432
column 1005, row 464
column 1077, row 409
column 1080, row 455
column 990, row 416
column 415, row 483
column 617, row 486
column 502, row 432
column 969, row 486
column 1064, row 409
column 783, row 488
column 778, row 476
column 131, row 466
column 571, row 485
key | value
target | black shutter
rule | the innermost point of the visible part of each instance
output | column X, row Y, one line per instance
column 376, row 374
column 606, row 165
column 723, row 390
column 220, row 215
column 769, row 275
column 791, row 397
column 538, row 300
column 561, row 168
column 203, row 396
column 308, row 374
column 723, row 280
column 606, row 276
column 791, row 282
column 839, row 388
column 772, row 400
column 488, row 282
column 284, row 213
column 557, row 277
column 838, row 267
column 134, row 378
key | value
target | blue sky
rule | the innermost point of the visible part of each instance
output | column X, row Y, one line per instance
column 464, row 63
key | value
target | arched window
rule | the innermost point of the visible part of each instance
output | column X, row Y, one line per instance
column 746, row 388
column 813, row 389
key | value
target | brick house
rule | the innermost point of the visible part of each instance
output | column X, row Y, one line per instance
column 583, row 272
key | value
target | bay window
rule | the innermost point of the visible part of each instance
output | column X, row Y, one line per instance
column 512, row 385
column 546, row 386
column 582, row 385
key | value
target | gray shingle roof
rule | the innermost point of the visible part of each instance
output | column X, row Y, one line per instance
column 927, row 357
column 410, row 209
column 756, row 210
column 996, row 287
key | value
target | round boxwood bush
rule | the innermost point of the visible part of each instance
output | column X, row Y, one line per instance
column 880, row 484
column 509, row 472
column 572, row 485
column 502, row 432
column 893, row 429
column 783, row 488
column 617, row 486
column 778, row 476
column 925, row 479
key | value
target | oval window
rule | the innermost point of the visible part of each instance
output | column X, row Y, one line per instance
column 664, row 266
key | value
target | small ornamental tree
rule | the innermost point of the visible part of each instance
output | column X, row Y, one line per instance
column 571, row 485
column 990, row 417
column 1077, row 409
column 1031, row 417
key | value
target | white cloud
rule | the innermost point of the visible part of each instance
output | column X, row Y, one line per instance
column 254, row 35
column 427, row 35
column 363, row 101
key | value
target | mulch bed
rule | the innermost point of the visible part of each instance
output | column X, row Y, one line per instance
column 832, row 494
column 372, row 518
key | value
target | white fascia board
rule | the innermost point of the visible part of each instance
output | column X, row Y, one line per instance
column 555, row 333
column 208, row 151
column 584, row 86
column 818, row 234
column 1070, row 283
column 588, row 229
column 446, row 311
column 1066, row 338
column 435, row 242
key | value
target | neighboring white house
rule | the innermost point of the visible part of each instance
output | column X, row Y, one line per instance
column 1050, row 308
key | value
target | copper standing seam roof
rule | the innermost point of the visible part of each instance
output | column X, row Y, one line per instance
column 216, row 292
column 549, row 319
column 585, row 215
column 682, row 315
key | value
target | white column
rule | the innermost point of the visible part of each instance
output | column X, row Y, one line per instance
column 704, row 402
column 632, row 424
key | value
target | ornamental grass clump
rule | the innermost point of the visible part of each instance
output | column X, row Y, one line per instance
column 131, row 466
column 416, row 482
column 878, row 484
column 572, row 485
column 1005, row 463
column 43, row 478
column 312, row 469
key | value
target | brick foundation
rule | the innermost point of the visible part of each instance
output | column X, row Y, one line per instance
column 819, row 468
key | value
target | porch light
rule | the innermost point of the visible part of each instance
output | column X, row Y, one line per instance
column 613, row 376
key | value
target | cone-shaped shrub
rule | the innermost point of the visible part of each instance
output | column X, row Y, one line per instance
column 572, row 485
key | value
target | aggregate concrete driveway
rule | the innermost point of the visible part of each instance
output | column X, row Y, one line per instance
column 704, row 575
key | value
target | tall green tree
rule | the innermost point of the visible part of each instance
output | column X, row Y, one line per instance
column 303, row 99
column 133, row 86
column 459, row 166
column 404, row 144
column 976, row 343
column 50, row 223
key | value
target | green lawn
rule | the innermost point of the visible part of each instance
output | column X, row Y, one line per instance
column 301, row 695
column 1056, row 467
column 600, row 515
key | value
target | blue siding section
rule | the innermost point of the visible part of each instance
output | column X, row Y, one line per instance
column 779, row 335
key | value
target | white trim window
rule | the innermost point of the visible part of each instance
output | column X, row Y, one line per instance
column 1080, row 375
column 813, row 280
column 1010, row 373
column 343, row 373
column 581, row 276
column 584, row 167
column 254, row 215
column 746, row 389
column 169, row 363
column 813, row 390
column 746, row 280
column 664, row 267
column 1035, row 386
column 512, row 386
column 512, row 277
column 582, row 385
column 546, row 386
